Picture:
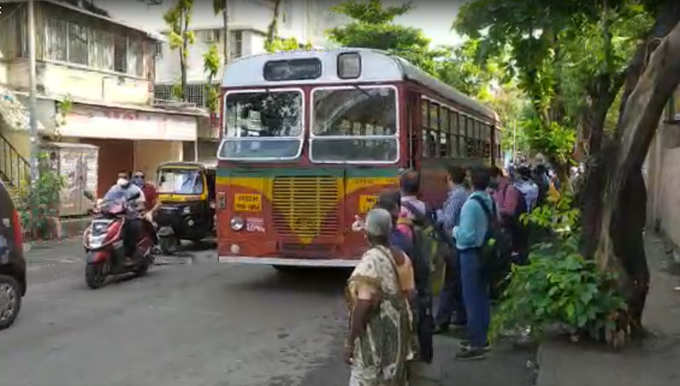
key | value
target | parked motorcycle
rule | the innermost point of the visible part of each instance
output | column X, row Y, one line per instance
column 104, row 247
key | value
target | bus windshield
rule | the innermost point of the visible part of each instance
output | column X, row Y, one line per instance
column 262, row 124
column 354, row 125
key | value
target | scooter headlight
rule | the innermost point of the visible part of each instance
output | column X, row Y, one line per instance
column 237, row 223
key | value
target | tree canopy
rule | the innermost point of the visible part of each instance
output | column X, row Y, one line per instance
column 372, row 26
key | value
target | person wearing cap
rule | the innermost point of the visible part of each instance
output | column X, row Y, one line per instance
column 380, row 340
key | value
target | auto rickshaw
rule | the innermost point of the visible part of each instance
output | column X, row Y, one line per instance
column 186, row 191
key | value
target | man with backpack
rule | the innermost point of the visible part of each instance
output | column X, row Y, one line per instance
column 415, row 223
column 451, row 298
column 477, row 219
column 511, row 204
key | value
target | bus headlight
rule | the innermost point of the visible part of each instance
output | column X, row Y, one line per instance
column 237, row 223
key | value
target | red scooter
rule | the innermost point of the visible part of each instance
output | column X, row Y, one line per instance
column 104, row 247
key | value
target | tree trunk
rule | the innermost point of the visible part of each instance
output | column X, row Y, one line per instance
column 273, row 29
column 603, row 95
column 620, row 248
column 183, row 53
column 227, row 34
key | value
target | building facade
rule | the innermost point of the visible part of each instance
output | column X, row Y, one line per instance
column 662, row 174
column 95, row 83
column 304, row 20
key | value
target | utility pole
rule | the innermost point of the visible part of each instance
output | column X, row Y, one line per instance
column 35, row 139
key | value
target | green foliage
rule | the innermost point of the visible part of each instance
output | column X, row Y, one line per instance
column 462, row 71
column 559, row 287
column 551, row 138
column 211, row 62
column 176, row 91
column 178, row 19
column 211, row 65
column 558, row 216
column 38, row 202
column 371, row 11
column 373, row 26
column 213, row 97
column 563, row 54
column 290, row 44
column 64, row 107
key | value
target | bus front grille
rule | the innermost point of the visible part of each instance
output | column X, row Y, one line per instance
column 306, row 207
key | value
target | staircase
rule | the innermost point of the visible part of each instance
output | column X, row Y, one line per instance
column 15, row 170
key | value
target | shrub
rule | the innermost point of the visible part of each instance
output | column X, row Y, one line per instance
column 39, row 201
column 559, row 286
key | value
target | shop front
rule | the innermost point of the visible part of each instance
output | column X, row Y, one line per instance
column 129, row 139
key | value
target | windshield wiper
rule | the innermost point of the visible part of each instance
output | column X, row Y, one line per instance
column 363, row 91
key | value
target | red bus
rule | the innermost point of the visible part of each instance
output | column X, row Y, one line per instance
column 310, row 138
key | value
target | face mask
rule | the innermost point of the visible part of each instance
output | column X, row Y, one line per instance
column 138, row 181
column 123, row 182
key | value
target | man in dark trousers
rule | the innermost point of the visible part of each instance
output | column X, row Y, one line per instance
column 451, row 298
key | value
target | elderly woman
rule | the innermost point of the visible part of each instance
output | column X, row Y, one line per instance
column 379, row 342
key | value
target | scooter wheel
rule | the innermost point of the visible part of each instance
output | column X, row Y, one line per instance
column 142, row 269
column 94, row 275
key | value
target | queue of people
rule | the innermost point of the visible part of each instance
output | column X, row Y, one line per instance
column 390, row 291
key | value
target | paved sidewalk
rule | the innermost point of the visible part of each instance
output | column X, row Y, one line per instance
column 653, row 362
column 505, row 365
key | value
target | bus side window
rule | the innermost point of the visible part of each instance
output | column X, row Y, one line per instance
column 424, row 125
column 444, row 132
column 433, row 132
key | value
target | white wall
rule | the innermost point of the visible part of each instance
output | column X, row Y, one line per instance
column 60, row 80
column 149, row 154
column 3, row 71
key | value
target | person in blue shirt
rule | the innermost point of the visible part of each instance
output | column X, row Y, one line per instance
column 451, row 298
column 469, row 236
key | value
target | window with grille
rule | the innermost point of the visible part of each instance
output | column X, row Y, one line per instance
column 77, row 44
column 120, row 54
column 56, row 39
column 235, row 44
column 163, row 92
column 101, row 49
column 135, row 63
column 195, row 93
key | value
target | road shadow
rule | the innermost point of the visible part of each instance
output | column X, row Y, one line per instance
column 297, row 280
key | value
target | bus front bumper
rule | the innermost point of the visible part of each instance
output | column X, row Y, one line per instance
column 289, row 262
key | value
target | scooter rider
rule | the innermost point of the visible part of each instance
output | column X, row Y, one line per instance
column 124, row 189
column 150, row 195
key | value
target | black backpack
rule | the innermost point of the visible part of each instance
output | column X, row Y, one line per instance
column 497, row 245
column 426, row 250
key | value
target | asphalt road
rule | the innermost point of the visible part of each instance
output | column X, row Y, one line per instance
column 190, row 321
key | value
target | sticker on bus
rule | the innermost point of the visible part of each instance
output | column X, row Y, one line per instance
column 366, row 202
column 255, row 225
column 247, row 202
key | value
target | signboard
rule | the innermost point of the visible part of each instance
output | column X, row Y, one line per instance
column 367, row 202
column 247, row 202
column 104, row 122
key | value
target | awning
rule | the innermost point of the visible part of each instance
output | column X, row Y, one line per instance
column 89, row 121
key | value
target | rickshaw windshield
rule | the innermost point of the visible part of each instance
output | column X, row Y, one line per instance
column 180, row 181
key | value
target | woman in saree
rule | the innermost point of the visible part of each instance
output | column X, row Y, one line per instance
column 380, row 339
